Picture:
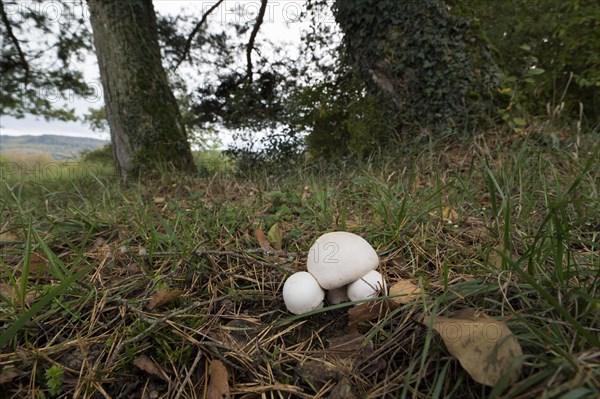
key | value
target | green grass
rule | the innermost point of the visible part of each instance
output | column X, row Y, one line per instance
column 510, row 227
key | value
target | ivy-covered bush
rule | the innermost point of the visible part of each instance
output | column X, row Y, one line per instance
column 430, row 63
column 345, row 119
column 549, row 52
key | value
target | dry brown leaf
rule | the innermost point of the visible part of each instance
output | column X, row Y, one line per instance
column 160, row 298
column 473, row 221
column 470, row 314
column 218, row 387
column 448, row 214
column 99, row 253
column 485, row 199
column 148, row 365
column 38, row 265
column 6, row 236
column 262, row 239
column 343, row 390
column 406, row 292
column 366, row 311
column 347, row 345
column 320, row 372
column 353, row 348
column 495, row 259
column 475, row 230
column 484, row 347
column 9, row 292
column 305, row 195
column 8, row 374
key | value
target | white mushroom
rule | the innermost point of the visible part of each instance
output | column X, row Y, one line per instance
column 337, row 295
column 302, row 293
column 368, row 286
column 339, row 258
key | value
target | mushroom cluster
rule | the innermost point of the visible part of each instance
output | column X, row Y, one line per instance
column 341, row 266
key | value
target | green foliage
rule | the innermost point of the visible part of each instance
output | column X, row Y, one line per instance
column 96, row 119
column 252, row 108
column 59, row 271
column 557, row 37
column 514, row 93
column 102, row 155
column 428, row 61
column 213, row 161
column 258, row 112
column 54, row 379
column 208, row 162
column 343, row 118
column 317, row 102
column 239, row 103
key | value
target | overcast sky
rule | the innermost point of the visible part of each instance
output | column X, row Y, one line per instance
column 281, row 24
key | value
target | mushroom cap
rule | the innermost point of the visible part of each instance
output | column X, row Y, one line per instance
column 337, row 295
column 339, row 258
column 368, row 286
column 302, row 293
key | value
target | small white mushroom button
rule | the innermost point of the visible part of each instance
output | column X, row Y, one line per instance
column 368, row 286
column 302, row 293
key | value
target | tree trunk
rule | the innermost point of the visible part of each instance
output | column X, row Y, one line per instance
column 145, row 125
column 429, row 63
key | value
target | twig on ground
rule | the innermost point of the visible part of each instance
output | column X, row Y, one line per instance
column 153, row 326
column 188, row 375
column 245, row 254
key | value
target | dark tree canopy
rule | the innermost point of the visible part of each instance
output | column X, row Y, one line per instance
column 40, row 48
column 387, row 68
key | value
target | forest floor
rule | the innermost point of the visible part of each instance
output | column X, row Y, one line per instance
column 173, row 289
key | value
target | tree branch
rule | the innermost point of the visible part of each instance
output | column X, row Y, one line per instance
column 14, row 40
column 188, row 43
column 250, row 46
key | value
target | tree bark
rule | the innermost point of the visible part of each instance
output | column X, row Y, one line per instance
column 430, row 64
column 146, row 128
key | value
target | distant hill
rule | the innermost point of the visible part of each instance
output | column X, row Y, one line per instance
column 57, row 147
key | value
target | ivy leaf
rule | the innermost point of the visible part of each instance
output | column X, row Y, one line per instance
column 535, row 71
column 519, row 121
column 275, row 236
